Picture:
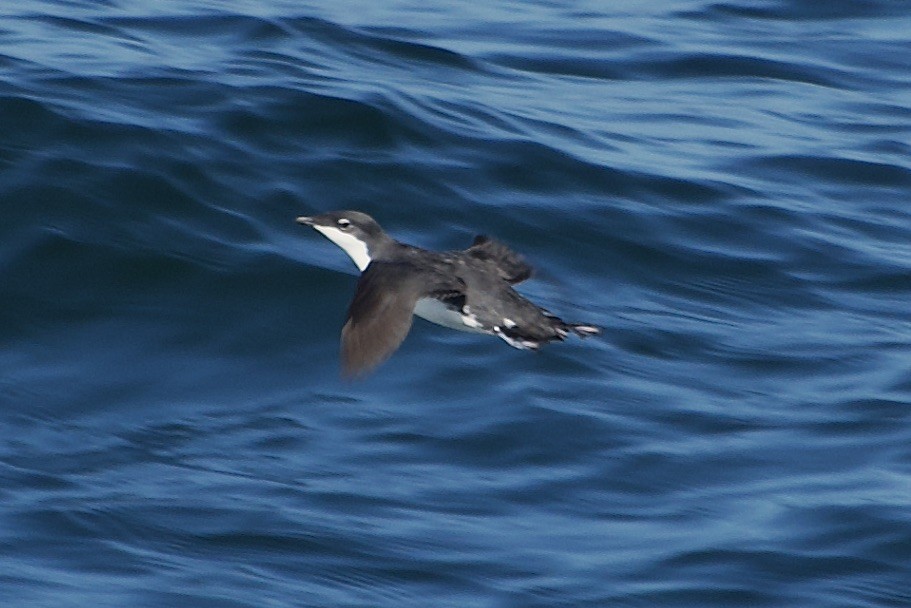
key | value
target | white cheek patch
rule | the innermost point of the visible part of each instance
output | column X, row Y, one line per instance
column 355, row 248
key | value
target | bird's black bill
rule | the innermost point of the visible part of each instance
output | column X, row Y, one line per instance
column 306, row 221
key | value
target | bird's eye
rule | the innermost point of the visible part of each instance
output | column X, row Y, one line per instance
column 343, row 224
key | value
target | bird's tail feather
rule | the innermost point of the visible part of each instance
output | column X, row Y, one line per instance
column 583, row 330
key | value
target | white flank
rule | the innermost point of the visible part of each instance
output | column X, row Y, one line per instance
column 354, row 247
column 436, row 312
column 516, row 343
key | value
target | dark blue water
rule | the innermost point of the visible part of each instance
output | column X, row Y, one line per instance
column 724, row 187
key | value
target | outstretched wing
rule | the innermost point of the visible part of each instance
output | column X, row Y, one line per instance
column 380, row 314
column 511, row 266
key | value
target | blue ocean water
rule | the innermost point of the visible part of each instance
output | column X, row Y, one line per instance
column 724, row 187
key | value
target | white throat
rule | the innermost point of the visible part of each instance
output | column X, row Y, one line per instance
column 354, row 247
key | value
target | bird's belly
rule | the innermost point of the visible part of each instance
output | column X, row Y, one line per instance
column 437, row 312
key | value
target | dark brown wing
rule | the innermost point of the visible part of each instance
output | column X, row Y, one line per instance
column 380, row 314
column 511, row 266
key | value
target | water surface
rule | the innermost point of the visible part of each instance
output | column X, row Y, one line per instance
column 723, row 187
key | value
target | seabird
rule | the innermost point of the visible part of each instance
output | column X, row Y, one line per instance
column 469, row 290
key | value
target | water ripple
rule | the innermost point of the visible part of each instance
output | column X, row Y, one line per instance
column 721, row 186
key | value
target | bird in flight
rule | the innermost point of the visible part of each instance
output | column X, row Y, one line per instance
column 469, row 290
